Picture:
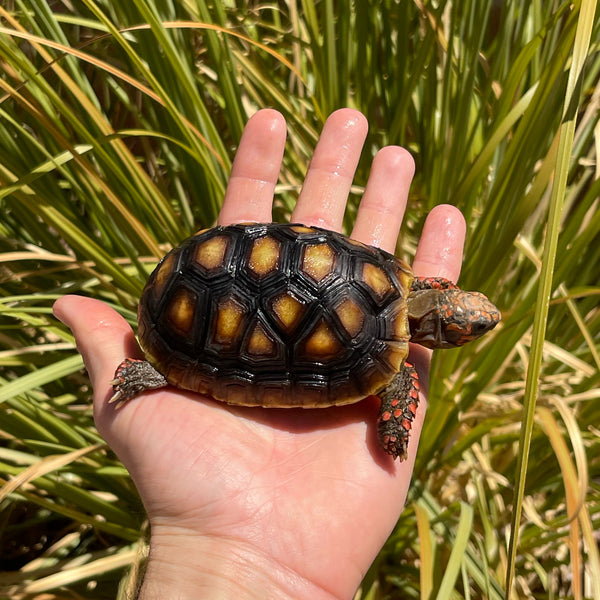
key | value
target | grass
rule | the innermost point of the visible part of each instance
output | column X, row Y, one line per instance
column 118, row 125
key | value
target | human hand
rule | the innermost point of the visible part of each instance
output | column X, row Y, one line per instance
column 252, row 502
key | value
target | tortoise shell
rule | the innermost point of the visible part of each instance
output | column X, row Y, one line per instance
column 276, row 315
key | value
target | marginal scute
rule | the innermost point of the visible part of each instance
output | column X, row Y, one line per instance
column 395, row 319
column 180, row 311
column 318, row 261
column 274, row 395
column 400, row 325
column 404, row 274
column 314, row 394
column 357, row 243
column 395, row 354
column 210, row 254
column 301, row 229
column 288, row 310
column 264, row 256
column 351, row 316
column 239, row 394
column 375, row 378
column 162, row 274
column 322, row 342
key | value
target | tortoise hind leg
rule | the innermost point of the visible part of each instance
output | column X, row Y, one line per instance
column 133, row 377
column 399, row 402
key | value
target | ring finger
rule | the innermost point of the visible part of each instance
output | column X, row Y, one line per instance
column 382, row 206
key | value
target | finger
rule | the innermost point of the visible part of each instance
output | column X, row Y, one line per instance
column 255, row 170
column 439, row 254
column 322, row 201
column 382, row 206
column 103, row 338
column 440, row 249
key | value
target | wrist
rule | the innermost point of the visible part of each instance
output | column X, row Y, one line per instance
column 183, row 566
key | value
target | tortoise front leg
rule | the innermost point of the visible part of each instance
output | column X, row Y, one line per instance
column 399, row 402
column 432, row 283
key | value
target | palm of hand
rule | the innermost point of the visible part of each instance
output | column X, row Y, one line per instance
column 306, row 491
column 256, row 476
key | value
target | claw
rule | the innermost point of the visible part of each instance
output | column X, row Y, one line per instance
column 132, row 377
column 115, row 397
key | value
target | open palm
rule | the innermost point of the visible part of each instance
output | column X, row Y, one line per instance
column 253, row 502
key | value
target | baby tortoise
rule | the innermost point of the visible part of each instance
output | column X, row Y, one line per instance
column 287, row 315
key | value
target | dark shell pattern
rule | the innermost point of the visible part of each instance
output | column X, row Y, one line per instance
column 276, row 315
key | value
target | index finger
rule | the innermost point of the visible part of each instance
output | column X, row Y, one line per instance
column 255, row 170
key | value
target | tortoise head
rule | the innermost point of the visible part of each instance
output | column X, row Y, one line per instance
column 446, row 318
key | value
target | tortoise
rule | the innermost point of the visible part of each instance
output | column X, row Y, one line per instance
column 286, row 315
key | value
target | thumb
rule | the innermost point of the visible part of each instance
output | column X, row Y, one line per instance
column 103, row 338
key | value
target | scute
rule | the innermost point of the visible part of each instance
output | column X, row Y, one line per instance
column 321, row 343
column 264, row 256
column 351, row 316
column 377, row 281
column 260, row 344
column 180, row 309
column 276, row 315
column 229, row 316
column 318, row 261
column 287, row 309
column 210, row 254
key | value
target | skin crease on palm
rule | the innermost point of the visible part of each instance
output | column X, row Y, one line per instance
column 253, row 502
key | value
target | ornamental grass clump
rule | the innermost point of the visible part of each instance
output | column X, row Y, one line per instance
column 118, row 124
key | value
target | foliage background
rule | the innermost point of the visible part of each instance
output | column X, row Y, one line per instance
column 118, row 123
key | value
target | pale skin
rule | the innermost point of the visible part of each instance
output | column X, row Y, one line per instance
column 266, row 503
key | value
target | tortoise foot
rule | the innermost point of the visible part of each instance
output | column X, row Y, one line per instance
column 133, row 377
column 432, row 283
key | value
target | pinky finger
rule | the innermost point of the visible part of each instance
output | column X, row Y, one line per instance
column 440, row 249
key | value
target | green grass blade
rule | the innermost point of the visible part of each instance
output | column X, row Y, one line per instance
column 118, row 123
column 453, row 568
column 582, row 40
column 40, row 377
